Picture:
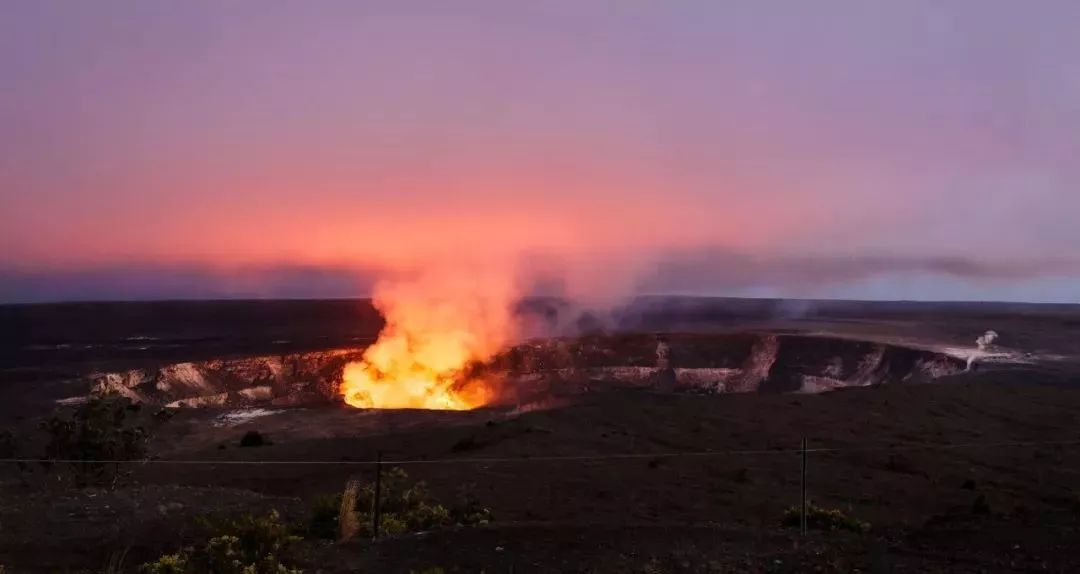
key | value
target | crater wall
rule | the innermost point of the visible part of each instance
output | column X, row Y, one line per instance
column 713, row 363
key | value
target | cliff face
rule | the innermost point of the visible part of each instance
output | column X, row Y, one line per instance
column 288, row 379
column 725, row 363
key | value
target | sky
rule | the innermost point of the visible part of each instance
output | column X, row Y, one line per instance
column 919, row 150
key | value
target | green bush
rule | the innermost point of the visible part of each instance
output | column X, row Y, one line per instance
column 168, row 564
column 322, row 519
column 405, row 506
column 468, row 511
column 97, row 431
column 245, row 545
column 827, row 519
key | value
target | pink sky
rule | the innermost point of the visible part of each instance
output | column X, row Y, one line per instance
column 157, row 141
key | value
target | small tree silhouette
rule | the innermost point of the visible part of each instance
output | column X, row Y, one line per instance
column 95, row 437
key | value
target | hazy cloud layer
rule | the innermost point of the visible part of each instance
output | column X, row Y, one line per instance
column 699, row 273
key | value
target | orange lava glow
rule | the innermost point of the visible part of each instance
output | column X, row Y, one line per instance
column 437, row 324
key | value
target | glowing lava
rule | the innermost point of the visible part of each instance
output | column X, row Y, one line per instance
column 437, row 324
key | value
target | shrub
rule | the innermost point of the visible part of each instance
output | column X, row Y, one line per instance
column 468, row 511
column 97, row 431
column 335, row 516
column 253, row 438
column 405, row 506
column 324, row 516
column 245, row 545
column 827, row 519
column 167, row 564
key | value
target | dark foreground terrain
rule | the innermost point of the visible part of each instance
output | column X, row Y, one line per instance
column 977, row 472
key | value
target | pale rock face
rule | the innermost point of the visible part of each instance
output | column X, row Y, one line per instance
column 124, row 384
column 184, row 378
column 812, row 384
column 716, row 380
column 757, row 366
column 242, row 381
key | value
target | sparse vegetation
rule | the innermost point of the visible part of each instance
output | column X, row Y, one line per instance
column 405, row 506
column 94, row 434
column 826, row 519
column 468, row 511
column 246, row 545
column 323, row 517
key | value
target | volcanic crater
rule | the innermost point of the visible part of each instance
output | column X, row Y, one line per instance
column 540, row 370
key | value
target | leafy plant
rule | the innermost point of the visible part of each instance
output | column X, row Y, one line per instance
column 404, row 506
column 324, row 517
column 245, row 545
column 168, row 564
column 827, row 519
column 469, row 511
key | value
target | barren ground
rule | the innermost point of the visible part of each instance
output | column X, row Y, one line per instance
column 910, row 460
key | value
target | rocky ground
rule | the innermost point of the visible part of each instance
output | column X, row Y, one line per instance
column 1008, row 503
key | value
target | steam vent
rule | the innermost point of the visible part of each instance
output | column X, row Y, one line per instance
column 539, row 370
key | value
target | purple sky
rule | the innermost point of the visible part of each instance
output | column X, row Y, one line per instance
column 856, row 149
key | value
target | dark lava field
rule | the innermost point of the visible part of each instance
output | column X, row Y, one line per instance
column 665, row 438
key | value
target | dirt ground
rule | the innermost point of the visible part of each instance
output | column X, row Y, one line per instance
column 594, row 510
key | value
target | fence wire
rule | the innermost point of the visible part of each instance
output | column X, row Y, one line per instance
column 565, row 458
